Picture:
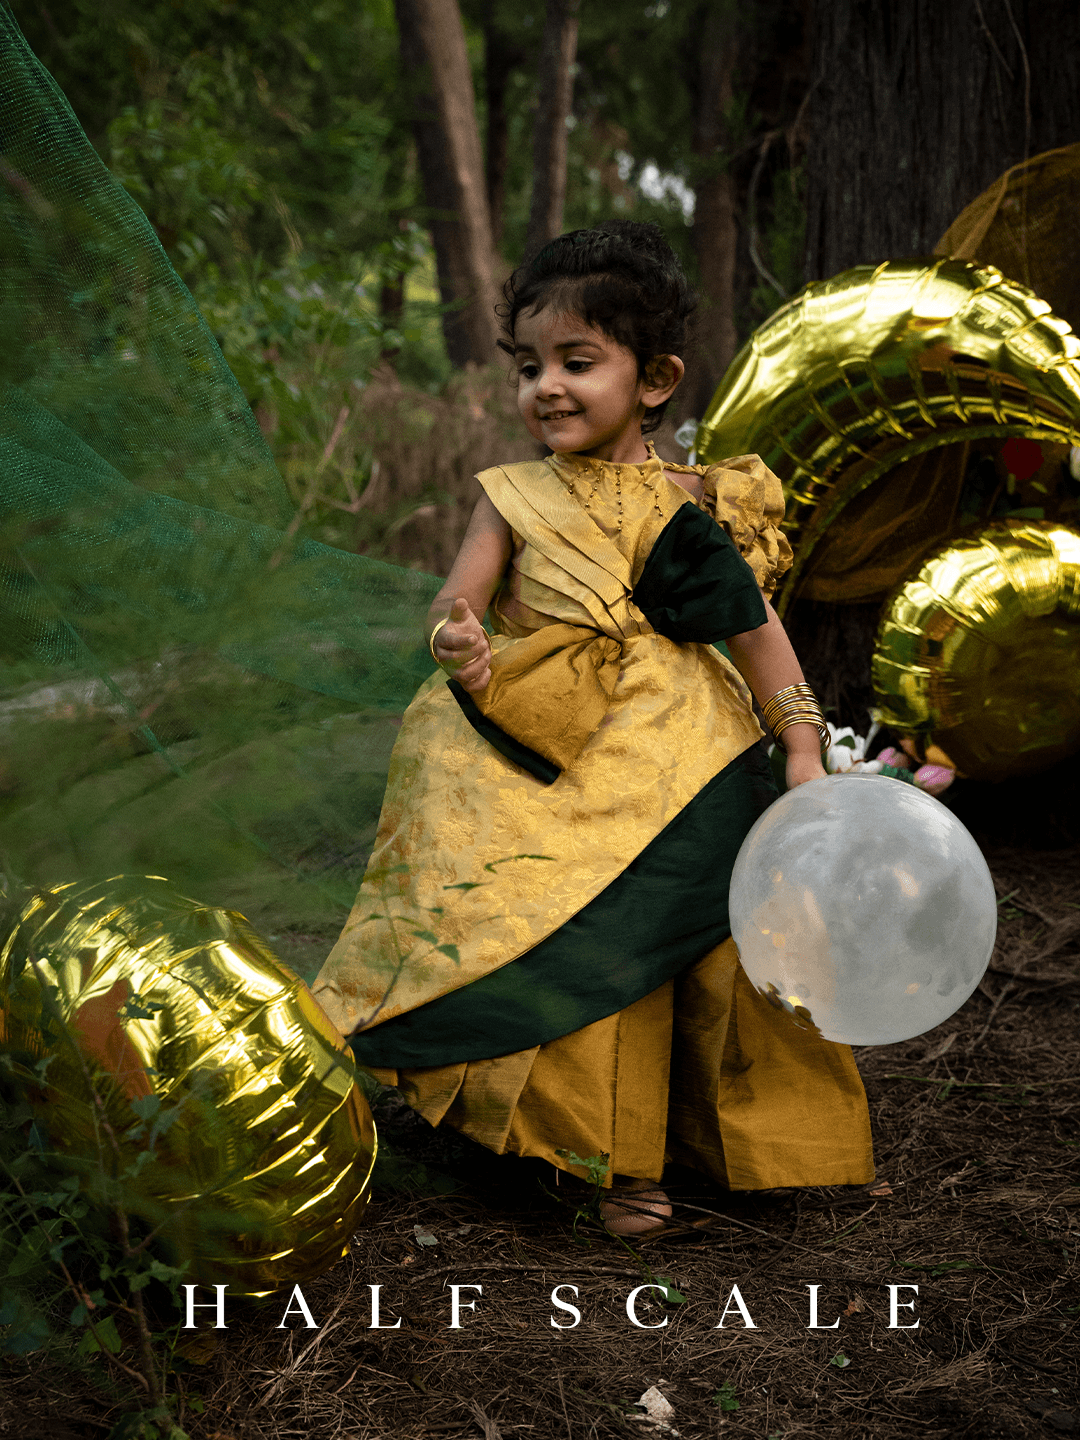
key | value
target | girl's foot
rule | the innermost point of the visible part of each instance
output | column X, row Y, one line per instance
column 635, row 1207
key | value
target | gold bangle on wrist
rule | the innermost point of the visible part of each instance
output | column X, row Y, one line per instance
column 794, row 705
column 431, row 638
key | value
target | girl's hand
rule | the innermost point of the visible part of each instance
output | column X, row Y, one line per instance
column 462, row 648
column 802, row 766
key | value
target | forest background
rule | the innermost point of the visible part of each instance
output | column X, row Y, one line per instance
column 345, row 186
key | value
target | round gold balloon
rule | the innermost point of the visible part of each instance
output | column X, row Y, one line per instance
column 177, row 1036
column 860, row 373
column 980, row 650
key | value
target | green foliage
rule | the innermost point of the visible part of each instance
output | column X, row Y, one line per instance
column 628, row 113
column 194, row 178
column 270, row 147
column 726, row 1397
column 272, row 122
column 271, row 141
column 596, row 1167
column 667, row 1289
column 260, row 137
column 74, row 1269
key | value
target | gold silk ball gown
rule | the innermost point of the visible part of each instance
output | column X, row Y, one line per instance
column 540, row 954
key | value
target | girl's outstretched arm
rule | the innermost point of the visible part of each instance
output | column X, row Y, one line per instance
column 766, row 661
column 461, row 646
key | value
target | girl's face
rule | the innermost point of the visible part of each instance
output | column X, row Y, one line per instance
column 579, row 390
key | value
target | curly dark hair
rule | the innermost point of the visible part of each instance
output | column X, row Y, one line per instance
column 622, row 278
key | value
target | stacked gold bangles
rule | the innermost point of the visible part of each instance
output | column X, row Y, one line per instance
column 794, row 706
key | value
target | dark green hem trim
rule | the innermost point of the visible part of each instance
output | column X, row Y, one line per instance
column 539, row 767
column 666, row 910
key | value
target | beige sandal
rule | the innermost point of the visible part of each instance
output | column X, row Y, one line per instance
column 635, row 1209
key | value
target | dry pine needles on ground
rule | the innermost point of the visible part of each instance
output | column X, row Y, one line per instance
column 977, row 1133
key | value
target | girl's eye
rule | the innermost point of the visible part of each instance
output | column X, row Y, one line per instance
column 576, row 366
column 528, row 371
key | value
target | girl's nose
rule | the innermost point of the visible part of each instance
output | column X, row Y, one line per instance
column 549, row 381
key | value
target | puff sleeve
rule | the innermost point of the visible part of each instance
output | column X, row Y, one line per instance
column 746, row 498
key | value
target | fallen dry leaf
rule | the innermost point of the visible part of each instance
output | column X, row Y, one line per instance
column 658, row 1411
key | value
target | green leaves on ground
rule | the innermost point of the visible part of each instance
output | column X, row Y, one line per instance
column 726, row 1397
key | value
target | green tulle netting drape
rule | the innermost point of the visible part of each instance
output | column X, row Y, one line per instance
column 183, row 689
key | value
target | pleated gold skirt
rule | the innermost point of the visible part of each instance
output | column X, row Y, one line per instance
column 702, row 1072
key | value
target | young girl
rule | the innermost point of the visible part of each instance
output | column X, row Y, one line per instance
column 567, row 796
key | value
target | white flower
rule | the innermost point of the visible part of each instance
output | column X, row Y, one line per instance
column 845, row 750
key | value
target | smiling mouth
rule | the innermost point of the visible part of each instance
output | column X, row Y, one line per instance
column 559, row 414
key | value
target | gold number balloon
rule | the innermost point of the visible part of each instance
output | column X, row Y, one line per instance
column 856, row 377
column 175, row 1034
column 860, row 373
column 981, row 650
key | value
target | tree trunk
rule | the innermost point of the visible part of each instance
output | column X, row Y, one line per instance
column 433, row 54
column 715, row 234
column 558, row 49
column 918, row 106
column 501, row 59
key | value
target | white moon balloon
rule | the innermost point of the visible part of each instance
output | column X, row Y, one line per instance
column 864, row 908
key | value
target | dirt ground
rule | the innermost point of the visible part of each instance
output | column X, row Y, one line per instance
column 977, row 1130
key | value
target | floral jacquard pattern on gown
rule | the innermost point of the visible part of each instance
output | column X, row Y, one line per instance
column 700, row 1067
column 453, row 806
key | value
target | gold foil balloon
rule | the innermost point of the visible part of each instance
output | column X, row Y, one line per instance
column 860, row 373
column 862, row 907
column 980, row 651
column 1025, row 224
column 164, row 1015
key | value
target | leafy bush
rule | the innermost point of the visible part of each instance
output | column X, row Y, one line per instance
column 74, row 1272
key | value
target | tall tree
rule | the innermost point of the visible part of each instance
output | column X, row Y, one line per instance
column 434, row 54
column 557, row 52
column 715, row 228
column 748, row 83
column 503, row 54
column 917, row 107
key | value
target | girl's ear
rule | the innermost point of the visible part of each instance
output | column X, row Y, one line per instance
column 662, row 376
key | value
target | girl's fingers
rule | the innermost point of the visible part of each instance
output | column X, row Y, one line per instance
column 479, row 683
column 463, row 653
column 475, row 662
column 457, row 650
column 456, row 639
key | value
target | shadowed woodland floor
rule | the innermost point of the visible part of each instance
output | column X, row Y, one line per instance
column 978, row 1132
